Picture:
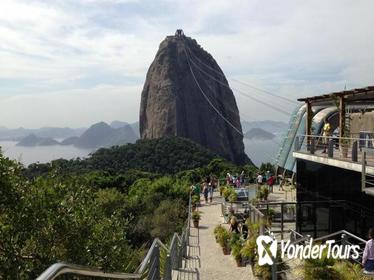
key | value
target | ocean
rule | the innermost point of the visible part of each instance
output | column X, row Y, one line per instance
column 258, row 151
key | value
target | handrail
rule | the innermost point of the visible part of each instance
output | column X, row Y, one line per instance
column 295, row 233
column 58, row 269
column 145, row 261
column 335, row 137
column 61, row 268
column 341, row 232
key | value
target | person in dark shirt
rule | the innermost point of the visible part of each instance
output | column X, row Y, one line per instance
column 234, row 225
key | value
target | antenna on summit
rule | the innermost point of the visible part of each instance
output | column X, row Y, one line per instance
column 179, row 33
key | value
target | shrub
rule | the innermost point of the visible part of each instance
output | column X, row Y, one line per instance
column 196, row 215
column 218, row 231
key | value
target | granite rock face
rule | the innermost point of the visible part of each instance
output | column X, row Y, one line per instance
column 172, row 103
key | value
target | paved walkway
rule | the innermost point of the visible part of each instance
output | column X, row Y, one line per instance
column 214, row 264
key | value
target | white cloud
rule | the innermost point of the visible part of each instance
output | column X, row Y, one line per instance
column 76, row 108
column 68, row 49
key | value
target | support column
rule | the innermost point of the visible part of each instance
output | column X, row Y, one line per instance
column 341, row 119
column 308, row 125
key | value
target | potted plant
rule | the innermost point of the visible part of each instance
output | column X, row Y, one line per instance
column 221, row 190
column 196, row 216
column 223, row 240
column 236, row 252
column 248, row 251
column 195, row 202
column 217, row 231
column 269, row 215
column 233, row 197
column 226, row 192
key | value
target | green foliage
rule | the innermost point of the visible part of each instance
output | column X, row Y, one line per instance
column 347, row 271
column 265, row 271
column 196, row 215
column 229, row 192
column 218, row 231
column 223, row 237
column 248, row 250
column 262, row 193
column 320, row 268
column 267, row 167
column 234, row 239
column 233, row 196
column 96, row 219
column 195, row 199
column 220, row 167
column 236, row 251
column 163, row 156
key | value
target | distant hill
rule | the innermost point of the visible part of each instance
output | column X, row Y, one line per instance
column 70, row 141
column 103, row 135
column 118, row 124
column 32, row 140
column 275, row 127
column 259, row 134
column 48, row 132
column 135, row 127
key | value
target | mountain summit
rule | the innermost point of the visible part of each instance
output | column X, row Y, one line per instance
column 186, row 94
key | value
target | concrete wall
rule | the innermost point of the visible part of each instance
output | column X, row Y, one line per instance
column 362, row 122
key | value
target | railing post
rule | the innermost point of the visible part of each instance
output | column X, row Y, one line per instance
column 180, row 255
column 354, row 151
column 282, row 219
column 274, row 269
column 344, row 240
column 262, row 227
column 154, row 273
column 363, row 172
column 330, row 151
column 168, row 268
column 312, row 145
column 296, row 145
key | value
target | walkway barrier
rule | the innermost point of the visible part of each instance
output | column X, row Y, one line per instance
column 282, row 213
column 243, row 210
column 151, row 268
column 343, row 148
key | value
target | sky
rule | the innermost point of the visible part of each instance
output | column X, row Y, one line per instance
column 77, row 62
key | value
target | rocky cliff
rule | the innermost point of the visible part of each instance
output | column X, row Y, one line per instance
column 180, row 98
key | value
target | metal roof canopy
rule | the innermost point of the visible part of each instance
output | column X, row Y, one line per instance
column 358, row 95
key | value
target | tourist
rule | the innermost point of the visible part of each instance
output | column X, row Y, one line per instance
column 210, row 191
column 197, row 189
column 244, row 231
column 271, row 182
column 238, row 182
column 259, row 179
column 267, row 175
column 234, row 225
column 368, row 256
column 326, row 134
column 228, row 179
column 242, row 175
column 205, row 192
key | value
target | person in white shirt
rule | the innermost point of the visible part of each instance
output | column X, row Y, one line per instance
column 259, row 179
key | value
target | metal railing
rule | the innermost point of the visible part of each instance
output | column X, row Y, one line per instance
column 346, row 148
column 150, row 268
column 244, row 210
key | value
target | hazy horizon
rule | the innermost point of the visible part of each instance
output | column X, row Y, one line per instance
column 77, row 62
